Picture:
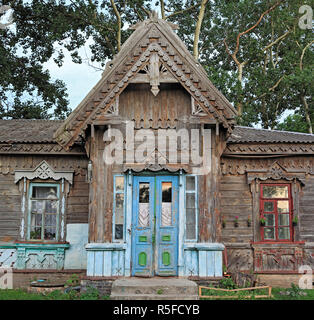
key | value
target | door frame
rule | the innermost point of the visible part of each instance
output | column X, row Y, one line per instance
column 154, row 249
column 129, row 213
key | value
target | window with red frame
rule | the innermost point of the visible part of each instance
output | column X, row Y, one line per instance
column 276, row 209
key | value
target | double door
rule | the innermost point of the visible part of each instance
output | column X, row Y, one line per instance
column 155, row 226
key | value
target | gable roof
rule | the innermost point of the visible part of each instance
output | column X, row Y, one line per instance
column 152, row 36
column 42, row 131
column 249, row 135
column 28, row 131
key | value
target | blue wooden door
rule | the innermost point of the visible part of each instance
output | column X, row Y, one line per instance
column 166, row 253
column 155, row 226
column 143, row 226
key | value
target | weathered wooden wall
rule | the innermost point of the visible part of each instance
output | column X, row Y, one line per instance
column 170, row 109
column 11, row 196
column 237, row 200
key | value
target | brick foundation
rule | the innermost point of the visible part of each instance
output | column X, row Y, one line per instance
column 23, row 278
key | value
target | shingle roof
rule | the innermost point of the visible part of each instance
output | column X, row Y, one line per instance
column 249, row 135
column 42, row 131
column 28, row 131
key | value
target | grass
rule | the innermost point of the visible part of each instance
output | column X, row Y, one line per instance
column 20, row 294
column 292, row 293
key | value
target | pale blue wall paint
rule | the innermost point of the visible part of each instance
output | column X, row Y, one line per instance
column 77, row 236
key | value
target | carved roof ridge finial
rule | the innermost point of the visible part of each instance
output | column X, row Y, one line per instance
column 153, row 16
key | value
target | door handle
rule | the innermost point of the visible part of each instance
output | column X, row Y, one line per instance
column 129, row 231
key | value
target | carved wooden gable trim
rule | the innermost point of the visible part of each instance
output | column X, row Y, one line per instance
column 276, row 172
column 44, row 171
column 155, row 48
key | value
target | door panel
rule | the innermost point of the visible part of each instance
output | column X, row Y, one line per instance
column 155, row 226
column 143, row 226
column 166, row 225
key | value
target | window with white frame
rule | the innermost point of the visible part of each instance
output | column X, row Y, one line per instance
column 118, row 207
column 191, row 208
column 44, row 207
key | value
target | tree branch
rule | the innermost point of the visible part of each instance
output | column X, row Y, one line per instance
column 255, row 25
column 277, row 40
column 198, row 28
column 181, row 11
column 162, row 9
column 303, row 53
column 117, row 14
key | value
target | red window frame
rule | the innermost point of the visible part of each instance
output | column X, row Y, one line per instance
column 275, row 212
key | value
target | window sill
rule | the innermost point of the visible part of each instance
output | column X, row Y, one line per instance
column 277, row 242
column 41, row 242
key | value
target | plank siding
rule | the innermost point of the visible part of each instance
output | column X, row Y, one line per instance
column 236, row 200
column 11, row 194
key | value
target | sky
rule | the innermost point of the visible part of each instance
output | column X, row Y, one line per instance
column 79, row 78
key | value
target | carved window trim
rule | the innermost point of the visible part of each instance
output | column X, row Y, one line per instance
column 43, row 174
column 44, row 171
column 255, row 187
column 30, row 199
column 276, row 213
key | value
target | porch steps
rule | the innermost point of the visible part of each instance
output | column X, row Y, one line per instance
column 154, row 289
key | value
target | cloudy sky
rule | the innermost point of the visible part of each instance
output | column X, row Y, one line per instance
column 79, row 78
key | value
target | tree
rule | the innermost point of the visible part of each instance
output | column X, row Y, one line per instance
column 253, row 51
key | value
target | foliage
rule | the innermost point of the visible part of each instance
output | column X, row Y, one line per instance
column 74, row 280
column 294, row 292
column 227, row 283
column 259, row 58
column 90, row 294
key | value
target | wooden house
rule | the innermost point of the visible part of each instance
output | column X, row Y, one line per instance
column 150, row 176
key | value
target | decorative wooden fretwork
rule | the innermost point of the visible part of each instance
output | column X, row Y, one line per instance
column 268, row 258
column 114, row 108
column 197, row 110
column 44, row 171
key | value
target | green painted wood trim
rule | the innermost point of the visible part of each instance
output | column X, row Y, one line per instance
column 166, row 237
column 142, row 259
column 142, row 239
column 42, row 246
column 166, row 258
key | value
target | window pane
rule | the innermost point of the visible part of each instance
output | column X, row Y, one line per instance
column 190, row 232
column 190, row 200
column 51, row 206
column 36, row 220
column 143, row 214
column 35, row 233
column 284, row 233
column 269, row 219
column 269, row 206
column 50, row 233
column 275, row 191
column 50, row 220
column 119, row 231
column 119, row 183
column 166, row 208
column 119, row 213
column 190, row 224
column 283, row 206
column 144, row 192
column 37, row 206
column 269, row 233
column 190, row 183
column 45, row 193
column 283, row 219
column 167, row 192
